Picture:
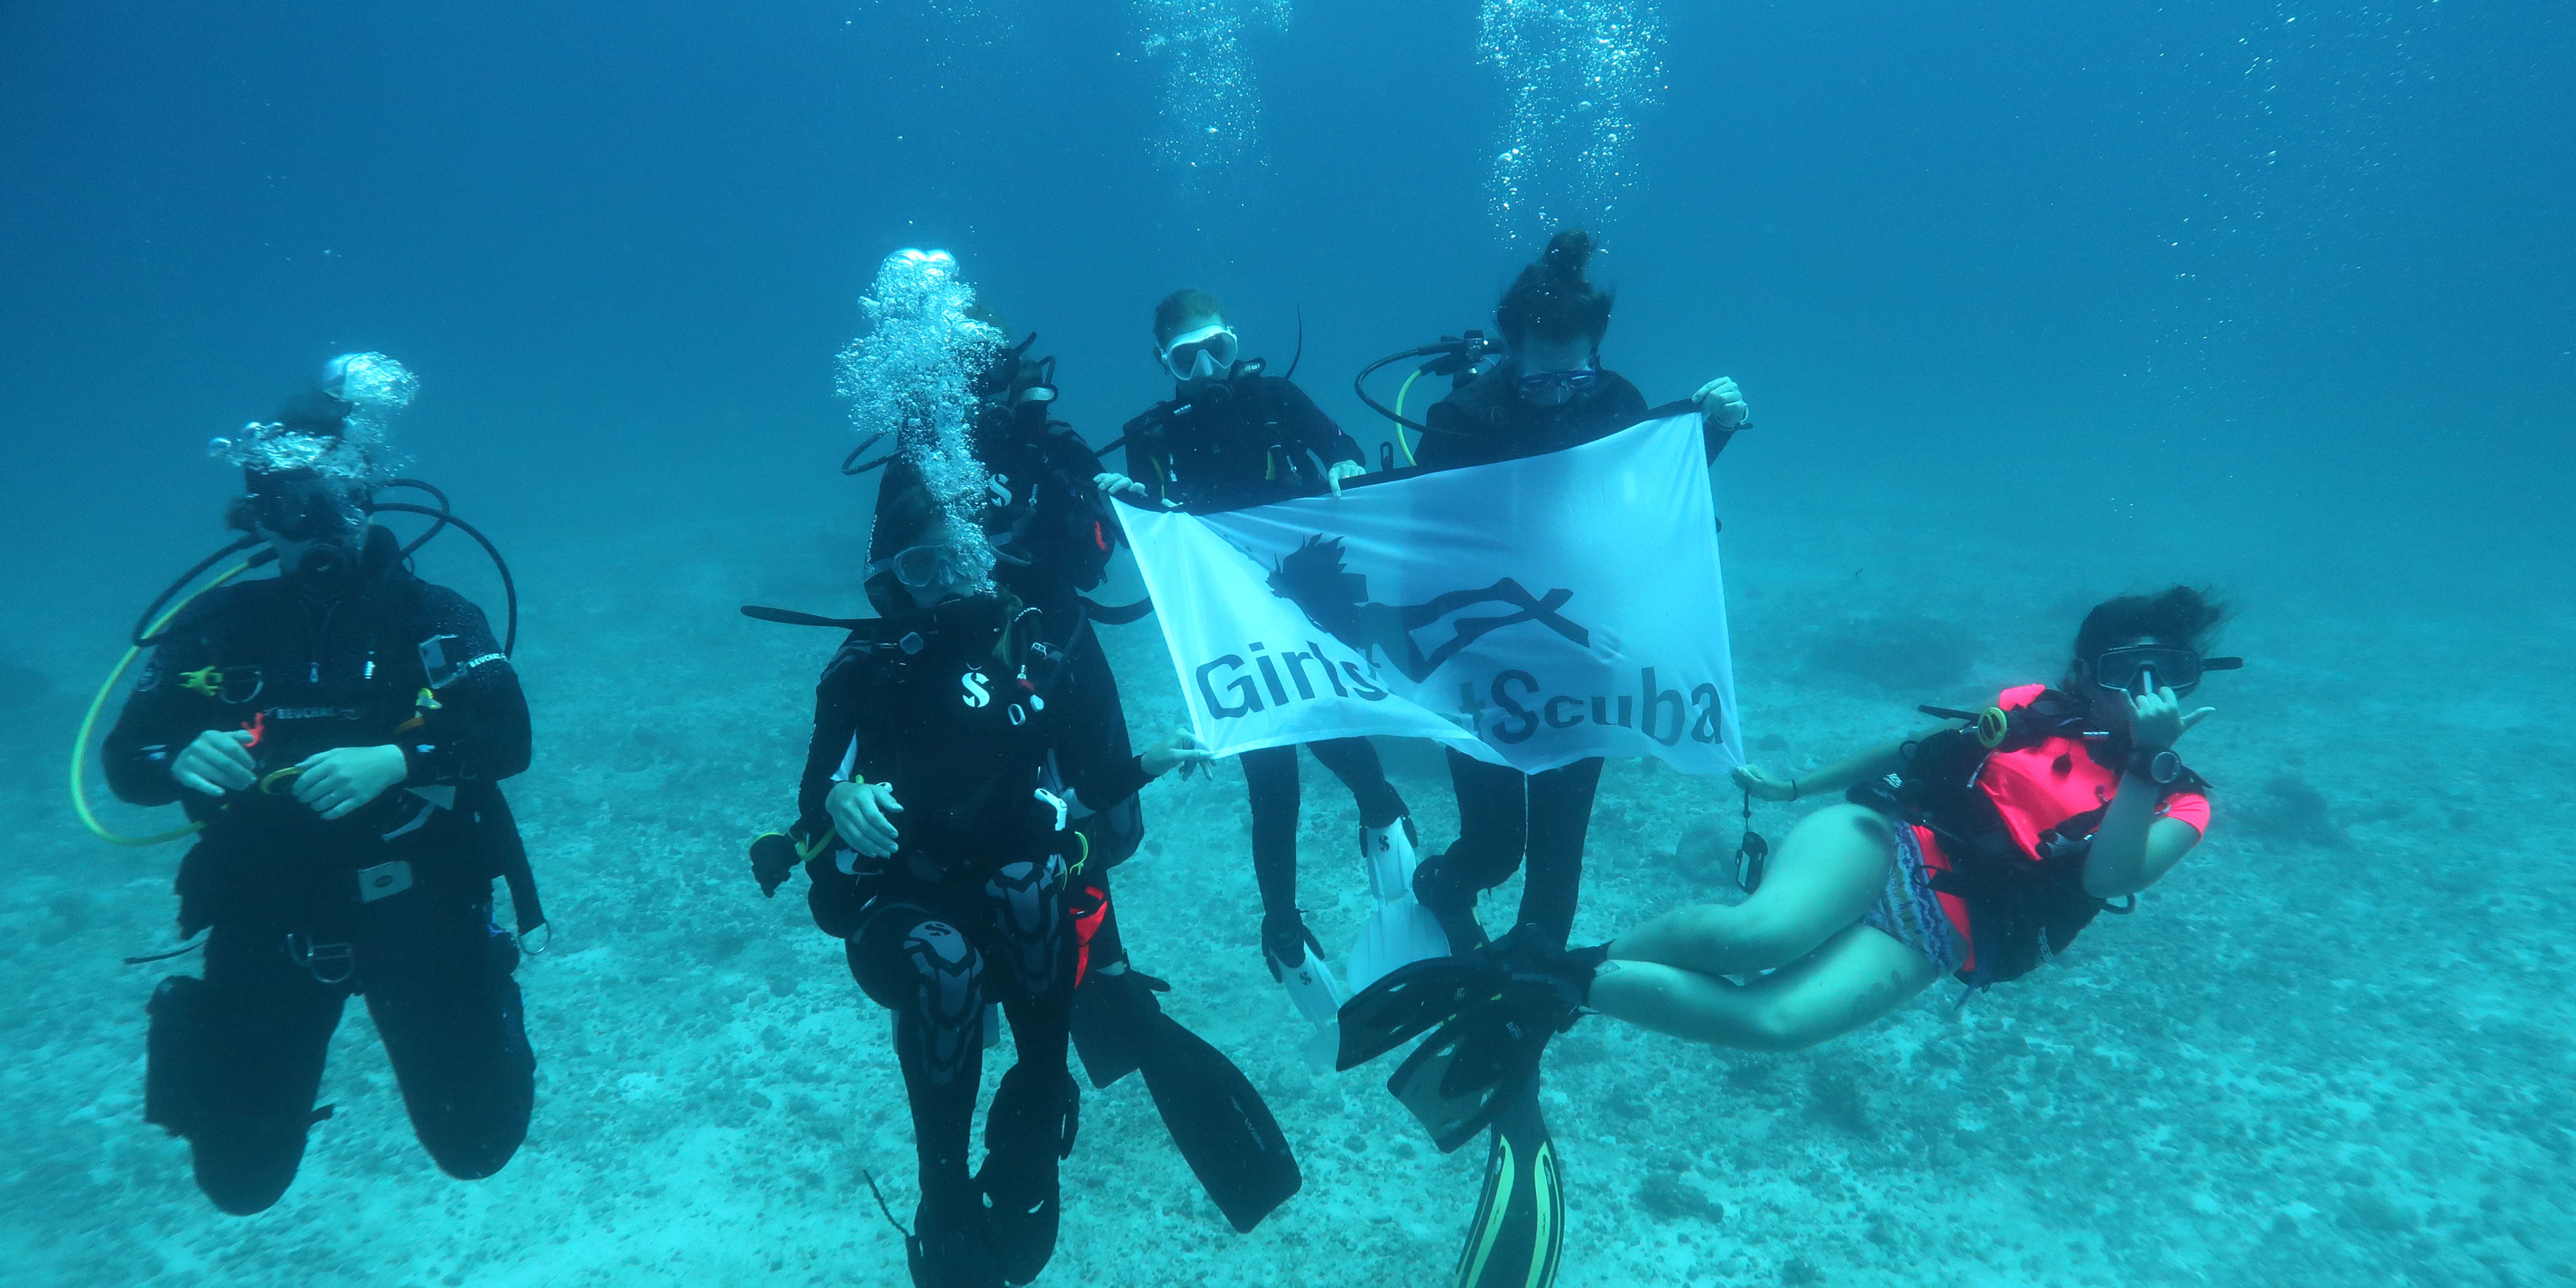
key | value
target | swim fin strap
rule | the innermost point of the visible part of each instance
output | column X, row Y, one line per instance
column 1518, row 1234
column 1224, row 1131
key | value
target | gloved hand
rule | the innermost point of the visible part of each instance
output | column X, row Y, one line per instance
column 1112, row 483
column 1285, row 940
column 773, row 857
column 1342, row 470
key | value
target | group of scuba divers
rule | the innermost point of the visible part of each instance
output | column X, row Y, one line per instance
column 338, row 734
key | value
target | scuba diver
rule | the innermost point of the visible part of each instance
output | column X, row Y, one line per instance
column 950, row 737
column 337, row 734
column 1979, row 849
column 969, row 786
column 1230, row 436
column 1543, row 390
column 1548, row 392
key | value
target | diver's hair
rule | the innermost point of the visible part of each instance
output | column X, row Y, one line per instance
column 1552, row 299
column 2184, row 616
column 1181, row 306
column 905, row 511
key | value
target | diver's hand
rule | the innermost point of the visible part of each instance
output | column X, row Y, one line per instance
column 1764, row 785
column 1342, row 470
column 1722, row 404
column 1114, row 484
column 859, row 814
column 773, row 858
column 2157, row 720
column 1180, row 750
column 336, row 782
column 217, row 762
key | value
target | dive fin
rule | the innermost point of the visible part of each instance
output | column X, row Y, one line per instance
column 1457, row 1081
column 1396, row 934
column 1319, row 998
column 1410, row 1001
column 1111, row 1014
column 1223, row 1129
column 1519, row 1231
column 1399, row 930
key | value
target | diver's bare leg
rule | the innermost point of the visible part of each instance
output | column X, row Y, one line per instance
column 1858, row 976
column 1832, row 867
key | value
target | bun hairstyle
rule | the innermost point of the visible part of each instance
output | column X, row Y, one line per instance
column 1552, row 299
column 2182, row 616
column 1183, row 306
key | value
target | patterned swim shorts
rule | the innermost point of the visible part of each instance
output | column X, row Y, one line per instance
column 1910, row 912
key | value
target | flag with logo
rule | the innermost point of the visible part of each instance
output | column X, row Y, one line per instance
column 1530, row 613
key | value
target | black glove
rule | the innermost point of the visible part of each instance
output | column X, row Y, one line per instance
column 1285, row 940
column 773, row 856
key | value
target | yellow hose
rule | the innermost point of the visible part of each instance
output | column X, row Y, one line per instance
column 1400, row 391
column 80, row 745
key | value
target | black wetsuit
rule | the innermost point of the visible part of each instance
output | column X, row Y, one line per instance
column 393, row 901
column 1051, row 531
column 981, row 723
column 1252, row 441
column 1504, row 814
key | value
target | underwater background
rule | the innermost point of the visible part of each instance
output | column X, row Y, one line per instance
column 2033, row 303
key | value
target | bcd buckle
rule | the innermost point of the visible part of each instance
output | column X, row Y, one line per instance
column 328, row 963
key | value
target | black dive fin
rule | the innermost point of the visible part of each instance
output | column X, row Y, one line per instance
column 1519, row 1231
column 1412, row 1000
column 790, row 617
column 1223, row 1129
column 1118, row 614
column 1112, row 1015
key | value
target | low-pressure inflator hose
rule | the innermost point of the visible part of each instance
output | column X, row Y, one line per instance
column 89, row 722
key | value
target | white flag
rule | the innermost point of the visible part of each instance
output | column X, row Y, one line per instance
column 1530, row 613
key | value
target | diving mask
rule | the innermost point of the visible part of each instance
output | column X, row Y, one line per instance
column 1557, row 388
column 302, row 506
column 2140, row 669
column 1204, row 354
column 922, row 567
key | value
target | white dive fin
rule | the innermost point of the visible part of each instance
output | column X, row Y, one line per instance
column 1319, row 998
column 1399, row 930
column 1311, row 986
column 1390, row 856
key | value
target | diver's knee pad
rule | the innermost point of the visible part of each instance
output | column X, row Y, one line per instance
column 1028, row 903
column 947, row 1005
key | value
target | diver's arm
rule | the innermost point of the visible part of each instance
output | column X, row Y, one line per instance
column 1091, row 743
column 2135, row 847
column 836, row 740
column 159, row 719
column 1311, row 430
column 478, row 730
column 1877, row 762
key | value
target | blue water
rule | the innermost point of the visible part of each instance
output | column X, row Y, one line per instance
column 2033, row 303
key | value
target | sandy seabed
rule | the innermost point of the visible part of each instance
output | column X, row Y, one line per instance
column 2332, row 1049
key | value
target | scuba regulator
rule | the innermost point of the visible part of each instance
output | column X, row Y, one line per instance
column 1461, row 358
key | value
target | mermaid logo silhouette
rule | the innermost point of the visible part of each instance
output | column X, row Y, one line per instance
column 1336, row 600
